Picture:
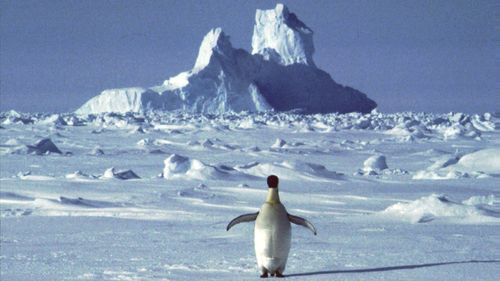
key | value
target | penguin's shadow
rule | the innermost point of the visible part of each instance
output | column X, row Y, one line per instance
column 388, row 268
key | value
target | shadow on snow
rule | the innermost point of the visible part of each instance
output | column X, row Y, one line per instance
column 388, row 268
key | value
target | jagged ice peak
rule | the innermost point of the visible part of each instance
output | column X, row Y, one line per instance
column 280, row 36
column 214, row 41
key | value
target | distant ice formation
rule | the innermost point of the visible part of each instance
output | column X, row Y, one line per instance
column 280, row 75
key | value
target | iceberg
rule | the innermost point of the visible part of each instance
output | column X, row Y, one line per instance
column 279, row 75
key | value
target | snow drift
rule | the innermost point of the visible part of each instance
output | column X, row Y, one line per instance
column 375, row 163
column 485, row 160
column 482, row 163
column 112, row 173
column 280, row 74
column 72, row 218
column 290, row 170
column 181, row 167
column 80, row 176
column 436, row 206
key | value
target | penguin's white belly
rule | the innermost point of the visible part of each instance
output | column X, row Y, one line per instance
column 272, row 237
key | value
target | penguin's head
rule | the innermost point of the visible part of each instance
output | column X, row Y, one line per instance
column 272, row 181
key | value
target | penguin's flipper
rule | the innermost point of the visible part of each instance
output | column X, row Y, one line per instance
column 303, row 222
column 242, row 218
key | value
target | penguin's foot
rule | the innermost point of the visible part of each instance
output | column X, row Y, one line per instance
column 279, row 275
column 264, row 275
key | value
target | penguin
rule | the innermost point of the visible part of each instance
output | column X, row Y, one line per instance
column 272, row 232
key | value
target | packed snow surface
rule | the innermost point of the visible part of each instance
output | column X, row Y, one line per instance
column 279, row 75
column 147, row 196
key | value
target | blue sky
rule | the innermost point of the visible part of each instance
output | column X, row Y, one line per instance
column 435, row 56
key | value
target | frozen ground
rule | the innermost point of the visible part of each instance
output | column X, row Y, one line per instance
column 393, row 196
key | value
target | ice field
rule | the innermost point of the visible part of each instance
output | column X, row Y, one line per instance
column 404, row 196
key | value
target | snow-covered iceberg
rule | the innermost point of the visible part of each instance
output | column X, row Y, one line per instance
column 280, row 74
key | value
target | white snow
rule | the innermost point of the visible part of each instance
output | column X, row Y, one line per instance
column 479, row 164
column 181, row 167
column 54, row 119
column 58, row 224
column 80, row 176
column 112, row 173
column 375, row 163
column 96, row 151
column 485, row 160
column 429, row 208
column 290, row 170
column 29, row 176
column 489, row 200
column 279, row 143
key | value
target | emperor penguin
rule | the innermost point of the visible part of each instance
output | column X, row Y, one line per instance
column 272, row 232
